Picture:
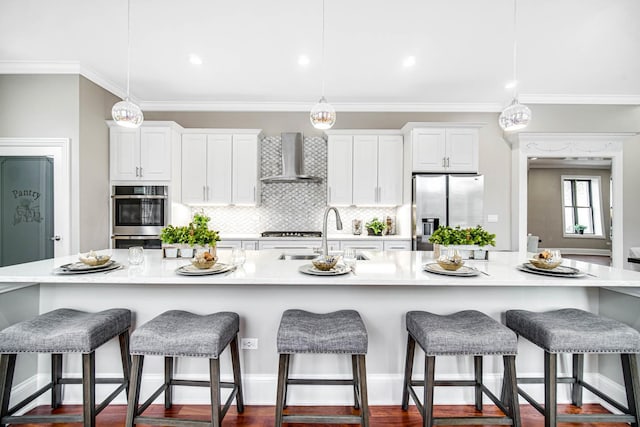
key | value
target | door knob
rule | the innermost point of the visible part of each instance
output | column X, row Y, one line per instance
column 55, row 238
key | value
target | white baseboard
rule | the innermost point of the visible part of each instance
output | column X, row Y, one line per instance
column 260, row 389
column 23, row 390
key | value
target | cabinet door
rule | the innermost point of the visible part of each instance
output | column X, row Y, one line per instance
column 229, row 244
column 194, row 168
column 340, row 170
column 428, row 149
column 219, row 155
column 250, row 245
column 124, row 154
column 397, row 245
column 390, row 170
column 155, row 153
column 462, row 150
column 245, row 169
column 365, row 169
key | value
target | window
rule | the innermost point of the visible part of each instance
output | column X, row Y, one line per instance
column 582, row 206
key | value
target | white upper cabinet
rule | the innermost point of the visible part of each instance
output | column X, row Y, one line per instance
column 141, row 154
column 444, row 149
column 364, row 168
column 339, row 170
column 220, row 168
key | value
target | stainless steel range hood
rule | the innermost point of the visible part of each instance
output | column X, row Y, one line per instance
column 292, row 160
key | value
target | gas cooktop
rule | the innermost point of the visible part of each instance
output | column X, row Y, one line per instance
column 292, row 234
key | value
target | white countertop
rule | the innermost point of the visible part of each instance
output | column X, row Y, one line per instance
column 330, row 236
column 393, row 268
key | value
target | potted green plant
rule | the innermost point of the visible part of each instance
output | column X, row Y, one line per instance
column 196, row 234
column 466, row 240
column 375, row 227
column 579, row 228
column 170, row 236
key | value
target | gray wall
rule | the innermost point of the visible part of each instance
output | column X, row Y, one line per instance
column 544, row 213
column 95, row 102
column 16, row 306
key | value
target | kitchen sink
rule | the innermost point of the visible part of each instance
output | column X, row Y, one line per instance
column 295, row 257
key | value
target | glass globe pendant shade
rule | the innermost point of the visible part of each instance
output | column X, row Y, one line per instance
column 516, row 116
column 127, row 114
column 322, row 115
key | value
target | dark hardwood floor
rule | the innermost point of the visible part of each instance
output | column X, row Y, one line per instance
column 263, row 416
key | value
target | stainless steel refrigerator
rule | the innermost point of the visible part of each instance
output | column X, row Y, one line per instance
column 445, row 200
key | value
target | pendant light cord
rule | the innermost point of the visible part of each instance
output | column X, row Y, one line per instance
column 322, row 68
column 515, row 49
column 128, row 45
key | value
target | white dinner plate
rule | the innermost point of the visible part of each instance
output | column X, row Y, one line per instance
column 561, row 269
column 543, row 272
column 81, row 266
column 64, row 269
column 191, row 270
column 335, row 271
column 463, row 271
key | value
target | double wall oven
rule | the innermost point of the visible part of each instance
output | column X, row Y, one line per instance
column 139, row 213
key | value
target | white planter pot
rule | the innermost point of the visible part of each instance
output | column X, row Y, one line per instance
column 465, row 251
column 169, row 252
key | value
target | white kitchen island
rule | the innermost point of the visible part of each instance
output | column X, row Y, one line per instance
column 383, row 289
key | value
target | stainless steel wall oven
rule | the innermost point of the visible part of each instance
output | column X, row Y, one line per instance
column 139, row 213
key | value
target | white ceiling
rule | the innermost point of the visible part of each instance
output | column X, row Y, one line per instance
column 569, row 51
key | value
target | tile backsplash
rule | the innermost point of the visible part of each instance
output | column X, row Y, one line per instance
column 297, row 206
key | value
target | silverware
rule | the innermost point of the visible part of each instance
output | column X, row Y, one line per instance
column 483, row 272
column 589, row 274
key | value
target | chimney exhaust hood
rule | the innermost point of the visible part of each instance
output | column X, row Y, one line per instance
column 292, row 161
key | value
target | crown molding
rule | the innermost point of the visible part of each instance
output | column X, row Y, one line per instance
column 579, row 99
column 75, row 67
column 306, row 106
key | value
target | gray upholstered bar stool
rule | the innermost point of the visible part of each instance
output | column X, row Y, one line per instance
column 578, row 332
column 338, row 332
column 59, row 332
column 464, row 333
column 178, row 333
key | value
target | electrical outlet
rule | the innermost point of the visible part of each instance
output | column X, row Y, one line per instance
column 249, row 343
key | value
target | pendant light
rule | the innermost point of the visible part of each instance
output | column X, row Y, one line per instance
column 126, row 113
column 516, row 116
column 322, row 115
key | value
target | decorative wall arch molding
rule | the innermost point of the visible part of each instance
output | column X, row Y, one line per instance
column 561, row 145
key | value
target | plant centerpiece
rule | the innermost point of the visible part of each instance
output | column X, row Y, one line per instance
column 375, row 227
column 466, row 240
column 579, row 228
column 196, row 234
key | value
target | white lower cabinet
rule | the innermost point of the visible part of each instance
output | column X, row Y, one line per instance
column 250, row 245
column 290, row 244
column 397, row 245
column 378, row 245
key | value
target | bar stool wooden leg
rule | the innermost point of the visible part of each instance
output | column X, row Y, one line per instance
column 550, row 389
column 168, row 377
column 214, row 374
column 364, row 398
column 89, row 389
column 134, row 389
column 356, row 381
column 510, row 387
column 125, row 357
column 237, row 379
column 7, row 368
column 286, row 381
column 282, row 378
column 429, row 378
column 408, row 371
column 632, row 384
column 576, row 388
column 477, row 367
column 56, row 375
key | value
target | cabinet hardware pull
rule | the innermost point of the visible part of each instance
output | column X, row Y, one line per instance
column 444, row 163
column 55, row 238
column 137, row 171
column 448, row 161
column 208, row 193
column 254, row 193
column 204, row 193
column 141, row 174
column 329, row 195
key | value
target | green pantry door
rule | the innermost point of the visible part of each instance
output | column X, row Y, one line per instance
column 26, row 209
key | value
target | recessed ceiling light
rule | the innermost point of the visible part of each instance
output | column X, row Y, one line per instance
column 511, row 84
column 409, row 61
column 303, row 60
column 195, row 59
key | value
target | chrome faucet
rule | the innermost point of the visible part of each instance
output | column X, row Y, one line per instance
column 325, row 248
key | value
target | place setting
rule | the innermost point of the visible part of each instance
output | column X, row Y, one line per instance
column 451, row 264
column 91, row 262
column 326, row 265
column 204, row 263
column 549, row 263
